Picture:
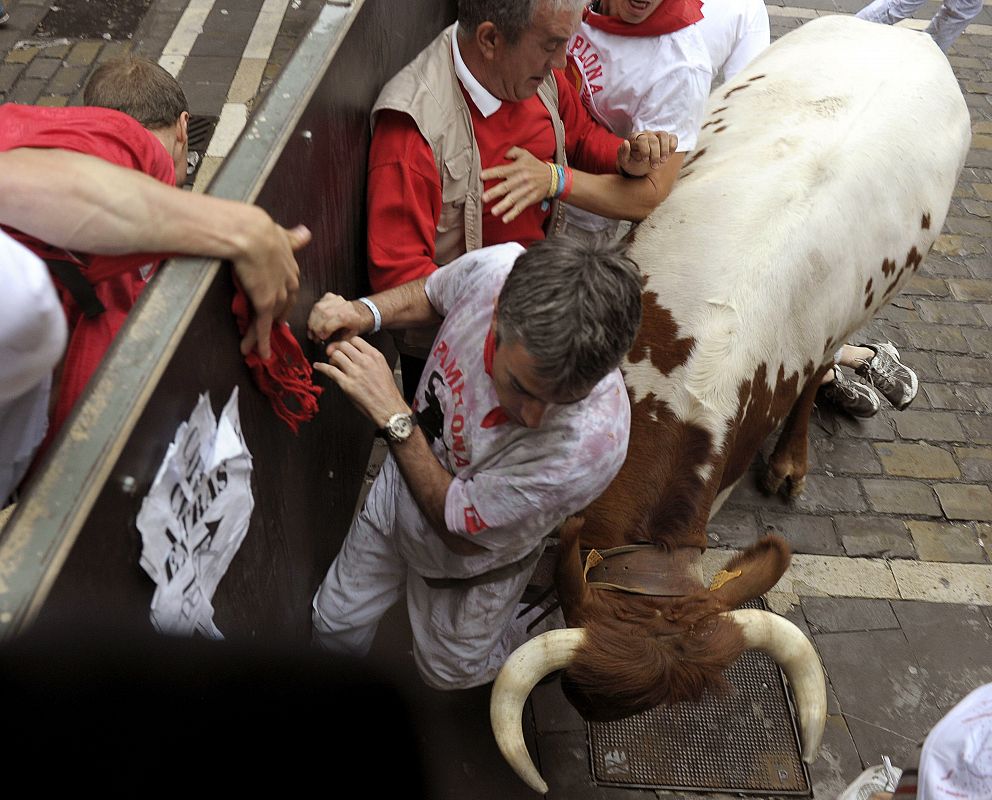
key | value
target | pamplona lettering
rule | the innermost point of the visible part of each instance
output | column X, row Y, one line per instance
column 588, row 60
column 456, row 382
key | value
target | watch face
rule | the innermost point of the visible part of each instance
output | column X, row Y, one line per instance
column 400, row 427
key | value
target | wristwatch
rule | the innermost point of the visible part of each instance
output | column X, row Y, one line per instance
column 399, row 427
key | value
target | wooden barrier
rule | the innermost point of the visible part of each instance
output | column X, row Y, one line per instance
column 70, row 552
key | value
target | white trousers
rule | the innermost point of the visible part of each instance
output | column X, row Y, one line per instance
column 461, row 636
column 947, row 24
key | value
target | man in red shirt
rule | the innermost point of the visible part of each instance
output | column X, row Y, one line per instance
column 86, row 204
column 135, row 116
column 487, row 101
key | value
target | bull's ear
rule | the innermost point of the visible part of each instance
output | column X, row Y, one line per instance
column 752, row 572
column 746, row 576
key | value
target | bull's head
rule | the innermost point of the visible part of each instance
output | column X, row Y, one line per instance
column 626, row 653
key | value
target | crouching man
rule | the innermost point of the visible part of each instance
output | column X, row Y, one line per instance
column 521, row 419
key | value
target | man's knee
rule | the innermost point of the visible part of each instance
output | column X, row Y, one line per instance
column 448, row 671
column 335, row 633
column 967, row 9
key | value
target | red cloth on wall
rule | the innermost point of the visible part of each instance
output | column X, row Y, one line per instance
column 286, row 378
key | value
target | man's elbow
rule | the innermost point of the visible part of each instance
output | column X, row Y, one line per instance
column 646, row 202
column 642, row 210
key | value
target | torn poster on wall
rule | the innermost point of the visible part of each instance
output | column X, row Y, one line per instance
column 195, row 517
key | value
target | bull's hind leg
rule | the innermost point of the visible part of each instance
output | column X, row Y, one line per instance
column 787, row 466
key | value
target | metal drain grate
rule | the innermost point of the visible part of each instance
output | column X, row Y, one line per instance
column 94, row 19
column 746, row 742
column 200, row 131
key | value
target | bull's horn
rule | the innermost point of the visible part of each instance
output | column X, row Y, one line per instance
column 787, row 645
column 530, row 662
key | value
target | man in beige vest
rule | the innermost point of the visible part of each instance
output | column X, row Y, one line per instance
column 486, row 101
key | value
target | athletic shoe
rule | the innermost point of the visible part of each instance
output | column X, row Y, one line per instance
column 856, row 398
column 889, row 375
column 883, row 778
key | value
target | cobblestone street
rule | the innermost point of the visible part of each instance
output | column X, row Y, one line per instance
column 892, row 572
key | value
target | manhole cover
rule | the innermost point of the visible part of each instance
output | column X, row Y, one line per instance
column 746, row 742
column 93, row 19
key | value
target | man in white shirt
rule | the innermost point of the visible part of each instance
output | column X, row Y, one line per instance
column 523, row 420
column 735, row 32
column 641, row 66
column 32, row 337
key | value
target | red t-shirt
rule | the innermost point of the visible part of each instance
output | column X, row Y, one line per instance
column 117, row 280
column 100, row 132
column 404, row 195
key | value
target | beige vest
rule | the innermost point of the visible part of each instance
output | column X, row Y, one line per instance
column 428, row 90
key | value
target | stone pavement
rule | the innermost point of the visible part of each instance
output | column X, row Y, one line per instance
column 224, row 54
column 893, row 536
column 894, row 531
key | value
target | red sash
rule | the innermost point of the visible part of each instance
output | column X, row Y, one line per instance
column 670, row 16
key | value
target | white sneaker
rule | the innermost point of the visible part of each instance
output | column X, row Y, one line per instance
column 882, row 778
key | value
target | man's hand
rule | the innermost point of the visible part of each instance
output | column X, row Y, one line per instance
column 335, row 319
column 645, row 151
column 364, row 376
column 270, row 277
column 524, row 182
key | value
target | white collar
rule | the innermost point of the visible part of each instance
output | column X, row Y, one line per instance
column 485, row 101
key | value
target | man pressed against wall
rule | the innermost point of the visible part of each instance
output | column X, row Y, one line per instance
column 523, row 420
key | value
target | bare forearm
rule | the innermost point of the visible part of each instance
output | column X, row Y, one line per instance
column 84, row 203
column 617, row 197
column 429, row 482
column 406, row 306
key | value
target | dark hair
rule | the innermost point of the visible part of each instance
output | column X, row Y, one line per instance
column 575, row 306
column 138, row 87
column 511, row 17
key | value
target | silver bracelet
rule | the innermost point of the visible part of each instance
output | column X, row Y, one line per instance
column 375, row 313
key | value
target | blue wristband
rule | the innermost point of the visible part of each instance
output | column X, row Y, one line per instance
column 561, row 180
column 376, row 316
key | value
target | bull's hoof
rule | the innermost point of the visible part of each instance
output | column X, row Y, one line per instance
column 772, row 483
column 796, row 486
column 786, row 485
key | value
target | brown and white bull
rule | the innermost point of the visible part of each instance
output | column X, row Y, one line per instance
column 821, row 178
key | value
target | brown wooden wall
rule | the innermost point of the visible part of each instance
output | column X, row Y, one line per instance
column 305, row 486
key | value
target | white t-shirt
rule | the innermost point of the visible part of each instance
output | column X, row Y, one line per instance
column 512, row 485
column 735, row 31
column 32, row 338
column 956, row 760
column 637, row 83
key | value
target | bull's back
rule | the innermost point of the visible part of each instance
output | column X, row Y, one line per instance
column 822, row 175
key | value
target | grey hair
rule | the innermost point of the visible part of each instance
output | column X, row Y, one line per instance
column 575, row 306
column 511, row 17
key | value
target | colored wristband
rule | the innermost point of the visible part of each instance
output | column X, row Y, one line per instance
column 553, row 187
column 376, row 316
column 566, row 188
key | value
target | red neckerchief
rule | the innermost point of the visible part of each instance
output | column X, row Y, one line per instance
column 670, row 16
column 497, row 416
column 287, row 377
